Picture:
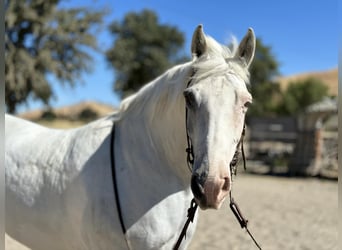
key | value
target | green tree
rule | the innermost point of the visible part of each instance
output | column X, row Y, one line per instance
column 142, row 50
column 265, row 66
column 262, row 71
column 41, row 39
column 300, row 95
column 266, row 99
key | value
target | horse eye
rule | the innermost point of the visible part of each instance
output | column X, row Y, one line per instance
column 190, row 98
column 247, row 104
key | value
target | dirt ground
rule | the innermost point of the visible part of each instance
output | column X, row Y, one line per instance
column 283, row 213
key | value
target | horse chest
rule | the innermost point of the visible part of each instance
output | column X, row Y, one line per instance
column 159, row 227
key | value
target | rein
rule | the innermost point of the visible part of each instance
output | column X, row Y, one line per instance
column 193, row 205
column 115, row 185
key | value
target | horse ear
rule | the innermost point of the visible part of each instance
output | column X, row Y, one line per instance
column 198, row 43
column 246, row 48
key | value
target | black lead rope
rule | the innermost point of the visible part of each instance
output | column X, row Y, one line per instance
column 243, row 222
column 191, row 215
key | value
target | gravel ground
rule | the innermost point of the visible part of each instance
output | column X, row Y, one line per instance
column 283, row 214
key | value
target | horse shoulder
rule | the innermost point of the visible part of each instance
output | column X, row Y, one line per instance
column 38, row 157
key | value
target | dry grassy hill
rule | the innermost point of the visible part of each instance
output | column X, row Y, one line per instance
column 329, row 77
column 69, row 116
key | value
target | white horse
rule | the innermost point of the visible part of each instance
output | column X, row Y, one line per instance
column 59, row 187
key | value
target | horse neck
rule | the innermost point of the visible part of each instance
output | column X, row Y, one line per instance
column 158, row 126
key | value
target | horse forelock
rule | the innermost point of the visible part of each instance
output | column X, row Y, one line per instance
column 220, row 60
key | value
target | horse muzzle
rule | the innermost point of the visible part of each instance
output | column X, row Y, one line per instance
column 210, row 192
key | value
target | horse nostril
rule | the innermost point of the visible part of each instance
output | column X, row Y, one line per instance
column 226, row 184
column 196, row 187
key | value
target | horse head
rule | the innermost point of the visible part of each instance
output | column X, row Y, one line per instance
column 216, row 101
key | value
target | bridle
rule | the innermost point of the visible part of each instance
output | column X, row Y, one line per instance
column 190, row 157
column 233, row 171
column 190, row 161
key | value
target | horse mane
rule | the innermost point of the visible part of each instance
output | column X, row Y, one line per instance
column 168, row 87
column 158, row 93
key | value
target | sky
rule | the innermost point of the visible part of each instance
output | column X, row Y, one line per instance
column 303, row 35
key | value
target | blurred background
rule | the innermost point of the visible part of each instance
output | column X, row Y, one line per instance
column 70, row 62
